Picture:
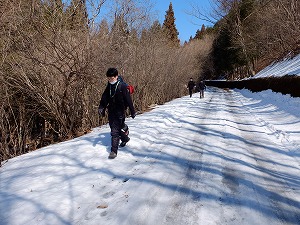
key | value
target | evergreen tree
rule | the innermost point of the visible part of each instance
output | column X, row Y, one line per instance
column 200, row 33
column 223, row 55
column 157, row 33
column 119, row 38
column 144, row 34
column 169, row 27
column 78, row 15
column 53, row 13
column 120, row 26
column 103, row 28
column 233, row 47
column 156, row 27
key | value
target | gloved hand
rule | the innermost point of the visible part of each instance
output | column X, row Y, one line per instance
column 101, row 112
column 133, row 115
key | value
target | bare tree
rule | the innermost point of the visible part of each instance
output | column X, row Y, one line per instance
column 51, row 76
column 280, row 27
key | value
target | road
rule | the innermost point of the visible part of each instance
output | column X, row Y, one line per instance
column 233, row 169
column 226, row 159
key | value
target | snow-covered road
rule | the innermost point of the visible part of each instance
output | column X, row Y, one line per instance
column 230, row 158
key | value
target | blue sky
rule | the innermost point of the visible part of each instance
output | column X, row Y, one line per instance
column 186, row 24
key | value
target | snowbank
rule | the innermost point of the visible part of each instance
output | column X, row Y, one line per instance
column 289, row 66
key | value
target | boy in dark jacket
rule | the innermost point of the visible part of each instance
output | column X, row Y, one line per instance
column 116, row 98
column 202, row 87
column 191, row 85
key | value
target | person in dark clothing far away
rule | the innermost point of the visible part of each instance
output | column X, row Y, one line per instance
column 116, row 98
column 191, row 85
column 202, row 87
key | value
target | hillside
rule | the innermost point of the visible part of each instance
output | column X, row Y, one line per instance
column 282, row 76
column 287, row 66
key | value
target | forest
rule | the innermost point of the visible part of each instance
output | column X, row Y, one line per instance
column 55, row 55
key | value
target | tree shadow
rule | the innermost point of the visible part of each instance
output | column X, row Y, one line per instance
column 240, row 166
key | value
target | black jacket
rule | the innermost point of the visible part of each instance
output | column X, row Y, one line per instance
column 202, row 85
column 116, row 98
column 191, row 84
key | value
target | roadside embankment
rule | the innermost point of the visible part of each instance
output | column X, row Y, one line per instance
column 286, row 84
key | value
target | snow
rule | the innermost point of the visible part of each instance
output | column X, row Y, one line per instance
column 288, row 66
column 232, row 157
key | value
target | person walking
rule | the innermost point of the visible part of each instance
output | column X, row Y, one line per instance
column 191, row 85
column 116, row 98
column 202, row 87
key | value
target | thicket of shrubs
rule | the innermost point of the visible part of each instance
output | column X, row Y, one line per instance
column 54, row 60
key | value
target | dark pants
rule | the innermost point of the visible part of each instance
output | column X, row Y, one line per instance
column 190, row 92
column 201, row 93
column 116, row 123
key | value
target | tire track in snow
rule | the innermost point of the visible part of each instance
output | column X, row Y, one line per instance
column 271, row 194
column 223, row 178
column 158, row 195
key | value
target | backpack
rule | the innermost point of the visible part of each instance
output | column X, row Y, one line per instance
column 130, row 88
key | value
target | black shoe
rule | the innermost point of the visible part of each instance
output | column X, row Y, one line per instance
column 123, row 143
column 112, row 155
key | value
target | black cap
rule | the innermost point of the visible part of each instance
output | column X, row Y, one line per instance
column 112, row 72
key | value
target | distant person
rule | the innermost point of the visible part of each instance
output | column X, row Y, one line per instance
column 202, row 87
column 116, row 98
column 191, row 85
